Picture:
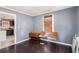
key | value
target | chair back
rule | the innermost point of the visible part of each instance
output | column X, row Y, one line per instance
column 75, row 44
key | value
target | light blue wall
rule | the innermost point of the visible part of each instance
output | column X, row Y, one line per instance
column 38, row 25
column 24, row 24
column 78, row 19
column 65, row 24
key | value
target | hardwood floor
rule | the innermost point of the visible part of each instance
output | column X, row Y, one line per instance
column 36, row 47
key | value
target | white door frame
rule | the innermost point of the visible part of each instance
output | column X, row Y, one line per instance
column 52, row 22
column 14, row 15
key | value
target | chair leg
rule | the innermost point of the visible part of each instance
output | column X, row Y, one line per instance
column 77, row 47
column 74, row 46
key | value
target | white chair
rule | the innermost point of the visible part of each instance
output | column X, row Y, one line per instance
column 75, row 44
column 77, row 48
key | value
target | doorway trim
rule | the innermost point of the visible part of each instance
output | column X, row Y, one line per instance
column 52, row 22
column 8, row 13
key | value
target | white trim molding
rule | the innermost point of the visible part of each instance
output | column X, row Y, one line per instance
column 43, row 23
column 58, row 42
column 22, row 41
column 52, row 22
column 14, row 15
column 15, row 10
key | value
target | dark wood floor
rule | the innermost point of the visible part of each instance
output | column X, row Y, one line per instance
column 36, row 47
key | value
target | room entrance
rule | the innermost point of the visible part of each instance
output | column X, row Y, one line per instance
column 7, row 29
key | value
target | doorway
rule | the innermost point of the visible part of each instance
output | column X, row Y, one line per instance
column 7, row 29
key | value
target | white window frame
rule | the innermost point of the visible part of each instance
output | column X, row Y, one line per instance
column 52, row 23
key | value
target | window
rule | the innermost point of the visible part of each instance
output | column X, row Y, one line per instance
column 48, row 23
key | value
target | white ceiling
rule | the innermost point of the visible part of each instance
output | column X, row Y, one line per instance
column 5, row 15
column 36, row 10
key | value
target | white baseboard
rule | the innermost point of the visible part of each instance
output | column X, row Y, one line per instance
column 64, row 44
column 48, row 41
column 22, row 41
column 59, row 42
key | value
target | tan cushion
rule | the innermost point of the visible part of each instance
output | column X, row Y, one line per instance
column 54, row 35
column 42, row 33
